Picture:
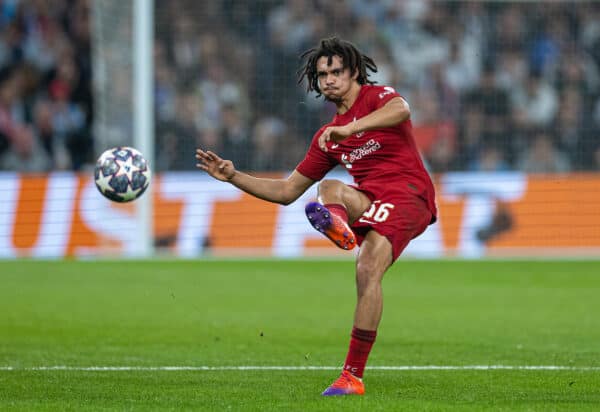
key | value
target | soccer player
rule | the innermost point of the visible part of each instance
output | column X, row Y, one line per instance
column 390, row 202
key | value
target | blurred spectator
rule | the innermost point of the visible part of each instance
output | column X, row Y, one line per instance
column 475, row 19
column 422, row 45
column 490, row 159
column 570, row 129
column 292, row 25
column 43, row 123
column 471, row 134
column 447, row 96
column 179, row 137
column 510, row 29
column 512, row 69
column 543, row 156
column 435, row 135
column 536, row 103
column 234, row 135
column 589, row 28
column 366, row 34
column 268, row 136
column 577, row 71
column 442, row 156
column 552, row 35
column 463, row 66
column 386, row 72
column 69, row 120
column 25, row 153
column 492, row 99
column 186, row 44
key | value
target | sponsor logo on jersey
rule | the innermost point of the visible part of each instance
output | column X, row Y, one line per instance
column 370, row 147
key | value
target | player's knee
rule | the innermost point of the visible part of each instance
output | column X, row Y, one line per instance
column 330, row 187
column 366, row 275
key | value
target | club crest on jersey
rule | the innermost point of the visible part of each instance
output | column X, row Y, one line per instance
column 370, row 147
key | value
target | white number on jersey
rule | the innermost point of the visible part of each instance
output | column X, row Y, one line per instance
column 379, row 212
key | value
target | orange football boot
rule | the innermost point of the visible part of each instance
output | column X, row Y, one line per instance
column 331, row 225
column 346, row 384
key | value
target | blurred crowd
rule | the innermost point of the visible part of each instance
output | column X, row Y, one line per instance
column 492, row 86
column 45, row 85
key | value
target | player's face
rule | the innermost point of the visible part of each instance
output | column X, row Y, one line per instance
column 334, row 80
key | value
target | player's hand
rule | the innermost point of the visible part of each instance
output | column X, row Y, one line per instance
column 212, row 164
column 334, row 134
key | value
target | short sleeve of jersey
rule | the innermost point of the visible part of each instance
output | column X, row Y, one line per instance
column 316, row 163
column 378, row 96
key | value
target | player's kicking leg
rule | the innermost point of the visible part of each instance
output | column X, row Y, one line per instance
column 337, row 205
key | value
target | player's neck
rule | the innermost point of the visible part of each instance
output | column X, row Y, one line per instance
column 349, row 98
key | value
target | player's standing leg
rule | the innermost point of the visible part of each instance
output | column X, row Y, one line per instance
column 374, row 258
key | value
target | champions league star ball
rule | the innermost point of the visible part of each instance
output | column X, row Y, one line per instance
column 122, row 174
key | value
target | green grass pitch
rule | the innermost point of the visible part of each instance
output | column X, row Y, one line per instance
column 296, row 313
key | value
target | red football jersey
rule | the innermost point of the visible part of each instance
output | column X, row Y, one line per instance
column 381, row 161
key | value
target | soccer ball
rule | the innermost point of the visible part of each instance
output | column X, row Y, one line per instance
column 122, row 174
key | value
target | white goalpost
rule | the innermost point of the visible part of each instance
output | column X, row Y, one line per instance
column 123, row 36
column 143, row 124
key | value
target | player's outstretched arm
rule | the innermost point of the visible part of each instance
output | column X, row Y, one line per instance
column 283, row 191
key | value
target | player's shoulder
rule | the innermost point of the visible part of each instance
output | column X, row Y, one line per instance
column 380, row 90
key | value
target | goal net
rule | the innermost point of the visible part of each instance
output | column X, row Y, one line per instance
column 113, row 68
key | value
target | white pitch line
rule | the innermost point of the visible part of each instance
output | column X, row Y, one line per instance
column 298, row 368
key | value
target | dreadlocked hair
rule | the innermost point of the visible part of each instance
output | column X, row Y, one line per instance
column 351, row 59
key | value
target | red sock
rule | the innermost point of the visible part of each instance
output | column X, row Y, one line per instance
column 337, row 209
column 360, row 347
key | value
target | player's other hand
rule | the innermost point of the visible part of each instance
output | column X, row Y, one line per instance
column 334, row 134
column 212, row 164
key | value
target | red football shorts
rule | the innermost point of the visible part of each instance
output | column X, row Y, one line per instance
column 400, row 217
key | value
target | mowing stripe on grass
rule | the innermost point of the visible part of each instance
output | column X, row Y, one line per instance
column 297, row 368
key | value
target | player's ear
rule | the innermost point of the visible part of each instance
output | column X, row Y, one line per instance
column 355, row 74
